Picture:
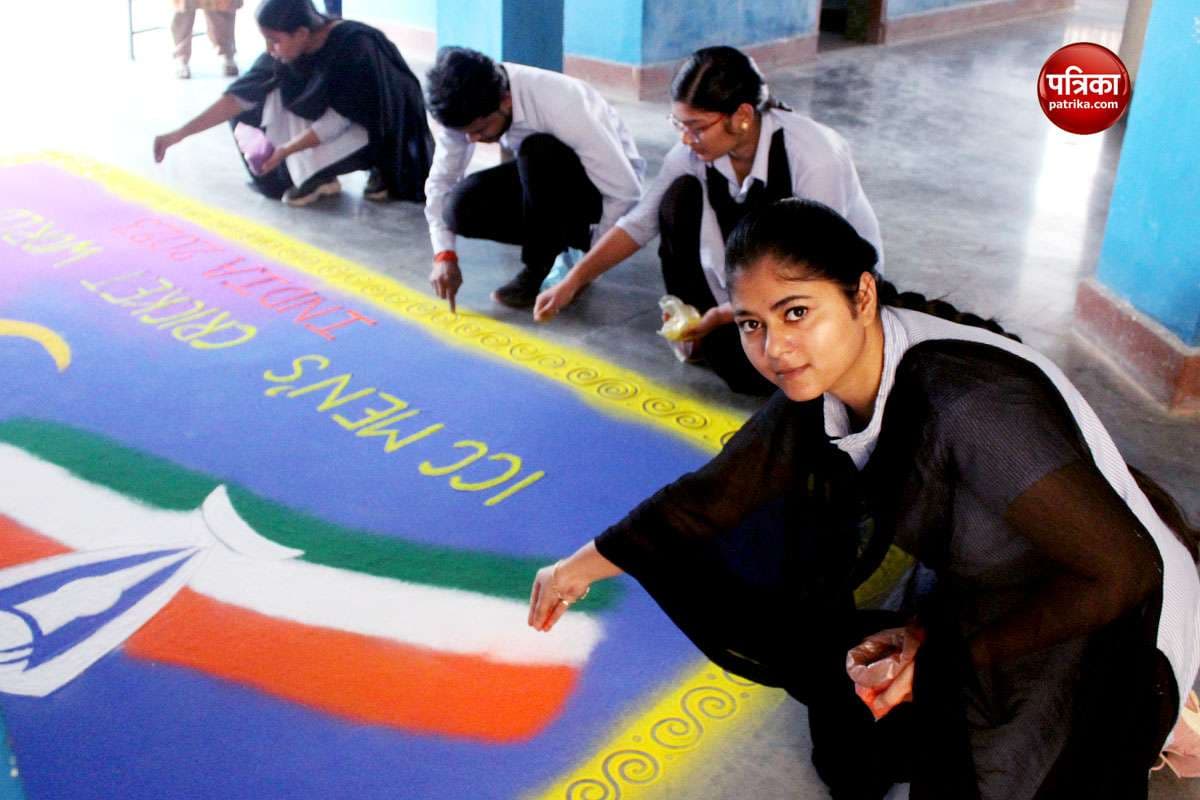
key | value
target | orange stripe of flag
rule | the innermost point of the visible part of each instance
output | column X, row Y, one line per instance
column 360, row 677
column 364, row 678
column 21, row 545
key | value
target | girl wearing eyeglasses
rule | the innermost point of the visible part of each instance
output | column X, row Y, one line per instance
column 739, row 148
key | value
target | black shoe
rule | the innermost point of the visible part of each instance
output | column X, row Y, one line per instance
column 522, row 290
column 376, row 189
column 311, row 191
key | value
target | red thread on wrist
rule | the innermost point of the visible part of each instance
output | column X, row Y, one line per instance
column 445, row 255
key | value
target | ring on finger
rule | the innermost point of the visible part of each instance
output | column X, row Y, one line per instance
column 554, row 586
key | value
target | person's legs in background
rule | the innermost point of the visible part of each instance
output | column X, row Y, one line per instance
column 679, row 251
column 542, row 201
column 220, row 25
column 181, row 31
column 487, row 205
column 221, row 34
column 559, row 204
column 679, row 244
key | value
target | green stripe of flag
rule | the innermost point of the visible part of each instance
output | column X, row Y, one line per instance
column 161, row 483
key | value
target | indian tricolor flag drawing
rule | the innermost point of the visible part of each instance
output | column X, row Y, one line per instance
column 102, row 547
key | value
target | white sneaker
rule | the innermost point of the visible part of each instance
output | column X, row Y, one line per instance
column 182, row 70
column 566, row 260
column 293, row 197
column 231, row 68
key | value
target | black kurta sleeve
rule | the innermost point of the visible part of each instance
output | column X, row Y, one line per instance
column 756, row 467
column 750, row 543
column 1014, row 444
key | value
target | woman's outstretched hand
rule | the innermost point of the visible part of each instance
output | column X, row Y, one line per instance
column 544, row 608
column 564, row 583
column 162, row 142
column 551, row 597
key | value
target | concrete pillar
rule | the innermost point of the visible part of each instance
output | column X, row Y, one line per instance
column 524, row 31
column 1134, row 35
column 1143, row 306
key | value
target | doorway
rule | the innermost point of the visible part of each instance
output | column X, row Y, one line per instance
column 846, row 23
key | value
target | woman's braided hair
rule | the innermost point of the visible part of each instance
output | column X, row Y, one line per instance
column 823, row 245
column 890, row 296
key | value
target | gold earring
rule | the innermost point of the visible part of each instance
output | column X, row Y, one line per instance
column 745, row 126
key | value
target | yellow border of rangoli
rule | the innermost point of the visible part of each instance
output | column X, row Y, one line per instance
column 683, row 722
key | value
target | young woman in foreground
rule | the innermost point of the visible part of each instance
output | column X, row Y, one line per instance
column 1059, row 612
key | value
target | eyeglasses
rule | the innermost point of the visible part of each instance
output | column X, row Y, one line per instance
column 693, row 131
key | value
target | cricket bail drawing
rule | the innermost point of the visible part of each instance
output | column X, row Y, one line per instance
column 62, row 614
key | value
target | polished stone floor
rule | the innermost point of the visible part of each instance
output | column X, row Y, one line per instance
column 980, row 199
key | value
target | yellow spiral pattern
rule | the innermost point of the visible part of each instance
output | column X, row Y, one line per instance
column 679, row 730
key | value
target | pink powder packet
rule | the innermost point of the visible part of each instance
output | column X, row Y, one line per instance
column 254, row 144
column 1182, row 755
column 879, row 660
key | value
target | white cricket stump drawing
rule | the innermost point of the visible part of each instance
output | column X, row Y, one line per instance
column 60, row 615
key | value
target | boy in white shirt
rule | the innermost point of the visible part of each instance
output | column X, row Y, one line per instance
column 576, row 169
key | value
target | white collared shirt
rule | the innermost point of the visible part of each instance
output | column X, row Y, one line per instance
column 860, row 444
column 567, row 109
column 822, row 169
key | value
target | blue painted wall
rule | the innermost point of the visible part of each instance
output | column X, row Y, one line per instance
column 674, row 29
column 632, row 32
column 610, row 30
column 1151, row 251
column 533, row 33
column 413, row 13
column 471, row 24
column 525, row 31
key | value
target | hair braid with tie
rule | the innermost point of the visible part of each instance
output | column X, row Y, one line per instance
column 823, row 245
